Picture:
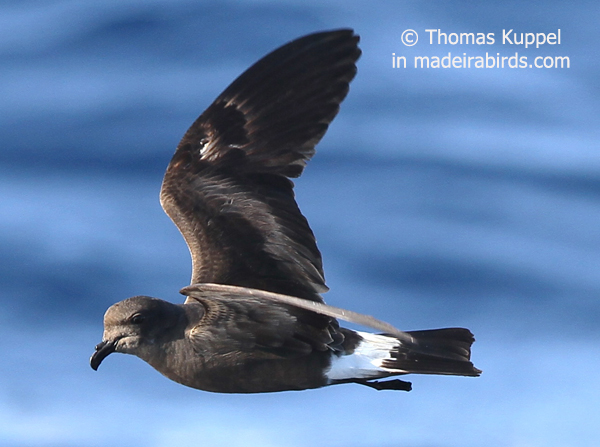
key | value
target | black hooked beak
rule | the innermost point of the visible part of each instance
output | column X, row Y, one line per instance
column 102, row 351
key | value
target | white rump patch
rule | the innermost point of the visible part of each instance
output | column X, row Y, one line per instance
column 366, row 360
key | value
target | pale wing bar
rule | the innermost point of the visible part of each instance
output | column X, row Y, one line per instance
column 206, row 289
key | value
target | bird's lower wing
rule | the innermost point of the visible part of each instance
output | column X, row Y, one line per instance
column 205, row 290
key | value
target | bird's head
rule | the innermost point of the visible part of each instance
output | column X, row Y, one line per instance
column 136, row 326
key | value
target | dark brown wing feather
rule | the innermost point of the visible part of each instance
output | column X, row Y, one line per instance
column 244, row 324
column 205, row 291
column 226, row 187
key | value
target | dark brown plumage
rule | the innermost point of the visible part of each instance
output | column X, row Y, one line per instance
column 226, row 187
column 254, row 319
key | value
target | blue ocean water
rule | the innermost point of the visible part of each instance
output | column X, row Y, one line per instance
column 439, row 197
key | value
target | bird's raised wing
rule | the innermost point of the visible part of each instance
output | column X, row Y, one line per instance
column 227, row 186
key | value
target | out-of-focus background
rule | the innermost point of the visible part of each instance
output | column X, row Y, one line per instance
column 439, row 197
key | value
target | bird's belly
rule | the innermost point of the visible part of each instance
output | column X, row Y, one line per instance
column 252, row 373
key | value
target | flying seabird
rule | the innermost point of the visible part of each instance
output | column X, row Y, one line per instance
column 254, row 320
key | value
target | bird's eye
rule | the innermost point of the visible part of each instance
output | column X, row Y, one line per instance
column 137, row 319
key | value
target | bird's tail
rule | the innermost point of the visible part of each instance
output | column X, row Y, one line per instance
column 436, row 351
column 375, row 356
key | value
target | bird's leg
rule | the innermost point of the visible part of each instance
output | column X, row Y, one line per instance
column 396, row 384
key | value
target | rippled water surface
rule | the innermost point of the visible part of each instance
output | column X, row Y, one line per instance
column 439, row 197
